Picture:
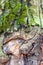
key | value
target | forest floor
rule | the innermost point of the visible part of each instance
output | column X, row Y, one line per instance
column 21, row 45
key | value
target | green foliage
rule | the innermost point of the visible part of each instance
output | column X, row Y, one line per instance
column 9, row 13
column 14, row 10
